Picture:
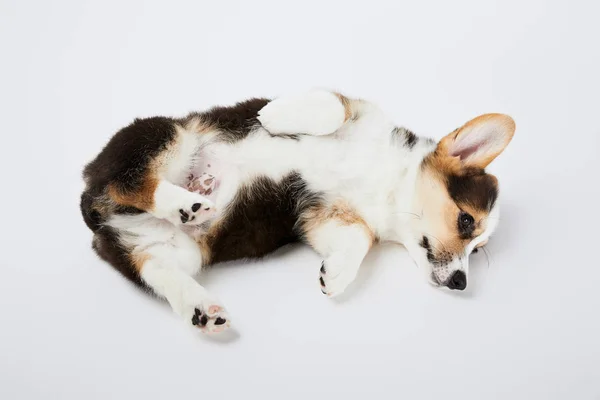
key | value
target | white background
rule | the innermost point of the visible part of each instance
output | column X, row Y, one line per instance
column 73, row 73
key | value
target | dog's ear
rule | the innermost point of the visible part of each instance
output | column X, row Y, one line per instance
column 478, row 142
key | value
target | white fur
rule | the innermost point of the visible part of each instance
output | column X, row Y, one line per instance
column 170, row 199
column 316, row 113
column 343, row 247
column 173, row 259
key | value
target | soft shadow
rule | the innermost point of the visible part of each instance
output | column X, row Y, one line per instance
column 506, row 232
column 223, row 338
column 482, row 261
column 205, row 276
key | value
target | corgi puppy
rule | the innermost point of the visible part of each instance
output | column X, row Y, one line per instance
column 168, row 196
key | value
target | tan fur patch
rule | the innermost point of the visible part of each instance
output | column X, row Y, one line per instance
column 203, row 244
column 339, row 211
column 197, row 125
column 142, row 198
column 138, row 260
column 501, row 122
column 347, row 103
column 441, row 163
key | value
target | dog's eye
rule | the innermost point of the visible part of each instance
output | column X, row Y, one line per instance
column 465, row 221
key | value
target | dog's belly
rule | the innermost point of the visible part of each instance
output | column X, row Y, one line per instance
column 338, row 169
column 219, row 170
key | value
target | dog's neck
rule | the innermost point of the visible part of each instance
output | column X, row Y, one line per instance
column 404, row 211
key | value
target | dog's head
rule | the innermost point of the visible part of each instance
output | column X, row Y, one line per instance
column 458, row 199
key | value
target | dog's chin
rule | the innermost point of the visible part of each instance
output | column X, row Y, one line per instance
column 434, row 281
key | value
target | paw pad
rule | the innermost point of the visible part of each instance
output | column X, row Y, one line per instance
column 199, row 318
column 199, row 211
column 210, row 323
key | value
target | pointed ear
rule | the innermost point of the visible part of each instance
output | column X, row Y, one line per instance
column 478, row 142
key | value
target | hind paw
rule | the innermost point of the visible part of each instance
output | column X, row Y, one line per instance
column 211, row 319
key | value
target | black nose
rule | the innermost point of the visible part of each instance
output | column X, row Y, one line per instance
column 458, row 281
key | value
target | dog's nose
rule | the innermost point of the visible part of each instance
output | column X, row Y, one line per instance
column 458, row 281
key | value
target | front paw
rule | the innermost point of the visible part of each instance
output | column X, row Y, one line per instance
column 335, row 276
column 197, row 212
column 189, row 209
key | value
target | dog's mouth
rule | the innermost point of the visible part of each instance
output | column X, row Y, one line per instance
column 434, row 280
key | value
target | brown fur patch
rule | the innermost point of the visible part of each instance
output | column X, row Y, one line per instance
column 340, row 211
column 203, row 243
column 142, row 198
column 472, row 189
column 138, row 260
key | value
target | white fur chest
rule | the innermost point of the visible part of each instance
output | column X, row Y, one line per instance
column 358, row 164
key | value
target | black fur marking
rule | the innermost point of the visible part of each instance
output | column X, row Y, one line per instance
column 475, row 188
column 323, row 268
column 107, row 246
column 235, row 122
column 427, row 246
column 261, row 218
column 196, row 207
column 92, row 218
column 195, row 320
column 409, row 139
column 291, row 136
column 123, row 162
column 442, row 258
column 220, row 321
column 322, row 281
column 125, row 159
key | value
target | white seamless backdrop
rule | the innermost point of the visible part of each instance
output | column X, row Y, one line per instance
column 74, row 72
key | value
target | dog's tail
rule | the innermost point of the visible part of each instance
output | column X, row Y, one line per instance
column 92, row 218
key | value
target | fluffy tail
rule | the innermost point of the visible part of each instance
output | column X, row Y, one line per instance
column 93, row 219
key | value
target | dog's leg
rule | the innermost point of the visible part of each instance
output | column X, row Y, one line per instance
column 343, row 239
column 161, row 151
column 317, row 112
column 166, row 259
column 179, row 205
column 165, row 200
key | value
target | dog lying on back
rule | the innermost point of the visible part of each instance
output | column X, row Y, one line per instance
column 167, row 196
